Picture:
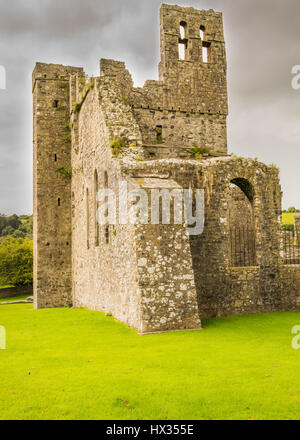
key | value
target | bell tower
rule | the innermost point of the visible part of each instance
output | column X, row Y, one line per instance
column 193, row 60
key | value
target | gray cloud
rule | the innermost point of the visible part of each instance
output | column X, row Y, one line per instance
column 262, row 42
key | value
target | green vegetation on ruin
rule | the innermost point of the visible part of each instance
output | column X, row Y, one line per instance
column 87, row 87
column 116, row 144
column 199, row 152
column 80, row 364
column 66, row 173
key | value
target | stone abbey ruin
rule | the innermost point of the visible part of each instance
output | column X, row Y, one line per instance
column 92, row 133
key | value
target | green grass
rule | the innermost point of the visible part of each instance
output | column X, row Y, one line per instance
column 79, row 364
column 288, row 218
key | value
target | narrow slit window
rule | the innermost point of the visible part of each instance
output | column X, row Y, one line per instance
column 87, row 219
column 105, row 180
column 58, row 202
column 55, row 103
column 106, row 228
column 96, row 188
column 55, row 158
column 158, row 130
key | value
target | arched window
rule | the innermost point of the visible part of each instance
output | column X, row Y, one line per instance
column 241, row 223
column 183, row 41
column 96, row 189
column 87, row 219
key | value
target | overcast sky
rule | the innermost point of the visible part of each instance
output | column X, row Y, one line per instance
column 262, row 44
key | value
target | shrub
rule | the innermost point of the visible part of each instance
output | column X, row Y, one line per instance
column 199, row 152
column 116, row 144
column 16, row 262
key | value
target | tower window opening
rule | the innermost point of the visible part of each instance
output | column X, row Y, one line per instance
column 58, row 202
column 205, row 51
column 182, row 29
column 183, row 41
column 181, row 50
column 55, row 158
column 205, row 45
column 55, row 103
column 204, row 54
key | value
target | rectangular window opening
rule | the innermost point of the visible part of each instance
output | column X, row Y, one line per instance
column 204, row 54
column 181, row 51
column 205, row 51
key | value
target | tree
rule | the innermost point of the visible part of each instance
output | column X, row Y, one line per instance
column 16, row 226
column 16, row 262
column 292, row 209
column 14, row 221
column 8, row 230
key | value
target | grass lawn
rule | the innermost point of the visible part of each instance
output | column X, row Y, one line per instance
column 288, row 218
column 79, row 364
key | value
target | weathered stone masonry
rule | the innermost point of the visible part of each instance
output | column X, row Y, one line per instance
column 93, row 133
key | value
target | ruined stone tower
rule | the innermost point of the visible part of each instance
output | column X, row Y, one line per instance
column 103, row 133
column 52, row 195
